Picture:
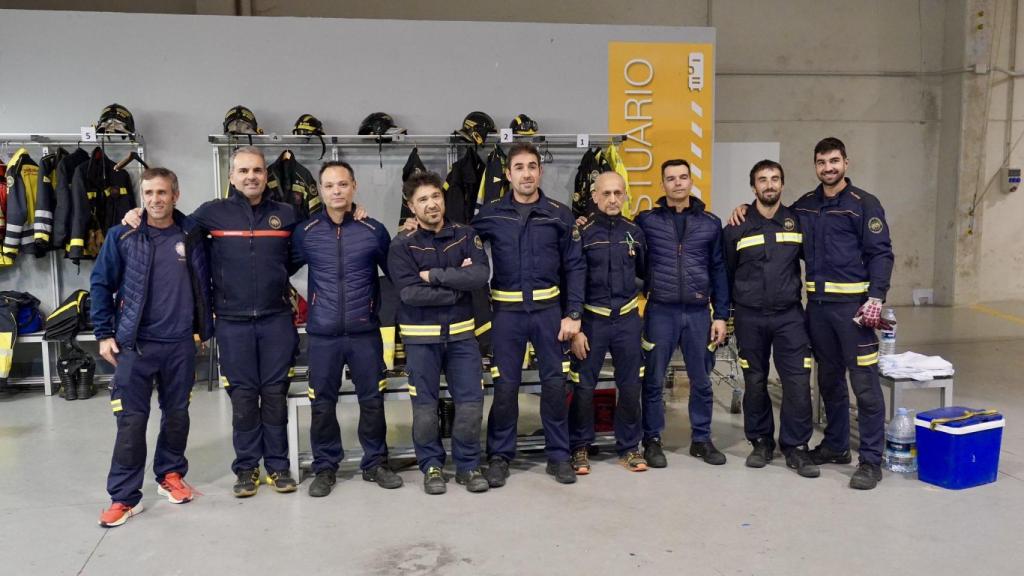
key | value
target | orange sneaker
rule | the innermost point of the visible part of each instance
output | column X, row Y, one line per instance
column 175, row 489
column 633, row 461
column 118, row 514
column 581, row 460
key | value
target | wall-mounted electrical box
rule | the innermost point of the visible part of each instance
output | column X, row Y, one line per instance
column 1011, row 179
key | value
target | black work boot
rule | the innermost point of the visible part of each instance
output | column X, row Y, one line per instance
column 474, row 480
column 497, row 472
column 434, row 481
column 383, row 476
column 562, row 471
column 68, row 379
column 799, row 459
column 86, row 376
column 247, row 483
column 762, row 453
column 282, row 481
column 824, row 455
column 706, row 451
column 654, row 454
column 323, row 483
column 866, row 477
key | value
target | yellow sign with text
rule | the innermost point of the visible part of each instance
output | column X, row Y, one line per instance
column 661, row 96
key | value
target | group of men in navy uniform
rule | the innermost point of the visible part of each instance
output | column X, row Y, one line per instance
column 571, row 289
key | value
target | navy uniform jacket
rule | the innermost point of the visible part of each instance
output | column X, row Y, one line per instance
column 248, row 255
column 440, row 310
column 344, row 287
column 847, row 248
column 615, row 252
column 762, row 256
column 536, row 258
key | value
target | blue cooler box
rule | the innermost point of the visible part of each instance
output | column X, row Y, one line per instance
column 958, row 454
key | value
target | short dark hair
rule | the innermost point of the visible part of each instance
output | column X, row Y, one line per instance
column 160, row 172
column 674, row 162
column 417, row 179
column 336, row 164
column 829, row 144
column 523, row 148
column 767, row 165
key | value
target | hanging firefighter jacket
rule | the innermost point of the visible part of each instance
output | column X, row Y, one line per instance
column 591, row 165
column 46, row 199
column 461, row 187
column 62, row 197
column 290, row 182
column 493, row 184
column 100, row 197
column 412, row 166
column 22, row 180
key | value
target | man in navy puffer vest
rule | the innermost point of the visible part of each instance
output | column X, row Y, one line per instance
column 150, row 294
column 685, row 272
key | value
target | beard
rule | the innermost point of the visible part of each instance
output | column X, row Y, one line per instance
column 763, row 198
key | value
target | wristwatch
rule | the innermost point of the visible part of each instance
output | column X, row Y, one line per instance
column 574, row 315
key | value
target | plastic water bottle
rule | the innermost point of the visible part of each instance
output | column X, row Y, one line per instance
column 901, row 443
column 887, row 339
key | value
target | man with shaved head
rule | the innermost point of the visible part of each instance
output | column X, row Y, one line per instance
column 613, row 248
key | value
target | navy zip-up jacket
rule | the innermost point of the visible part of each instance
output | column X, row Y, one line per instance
column 440, row 310
column 615, row 251
column 248, row 255
column 344, row 287
column 120, row 279
column 690, row 272
column 534, row 259
column 847, row 248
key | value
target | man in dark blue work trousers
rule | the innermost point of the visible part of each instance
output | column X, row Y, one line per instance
column 435, row 269
column 150, row 294
column 685, row 272
column 343, row 255
column 537, row 294
column 614, row 250
column 848, row 265
column 763, row 259
column 250, row 236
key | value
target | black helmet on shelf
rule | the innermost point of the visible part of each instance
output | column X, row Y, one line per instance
column 241, row 120
column 379, row 124
column 115, row 119
column 308, row 125
column 476, row 127
column 524, row 125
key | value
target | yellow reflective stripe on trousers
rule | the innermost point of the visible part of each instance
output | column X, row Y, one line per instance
column 647, row 346
column 460, row 327
column 808, row 363
column 115, row 405
column 846, row 287
column 642, row 371
column 291, row 372
column 494, row 372
column 749, row 241
column 744, row 363
column 420, row 329
column 310, row 393
column 793, row 237
column 867, row 359
column 224, row 382
column 412, row 390
column 574, row 376
column 565, row 366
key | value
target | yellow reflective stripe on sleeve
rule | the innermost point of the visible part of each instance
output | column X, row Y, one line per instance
column 10, row 250
column 115, row 405
column 794, row 237
column 808, row 363
column 642, row 370
column 647, row 346
column 867, row 359
column 412, row 390
column 546, row 293
column 744, row 363
column 565, row 367
column 420, row 329
column 574, row 376
column 506, row 296
column 599, row 310
column 811, row 286
column 846, row 287
column 460, row 327
column 310, row 393
column 629, row 306
column 42, row 236
column 482, row 329
column 748, row 241
column 79, row 242
column 224, row 382
column 494, row 372
column 382, row 384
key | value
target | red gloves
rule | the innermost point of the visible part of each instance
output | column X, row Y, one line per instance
column 870, row 315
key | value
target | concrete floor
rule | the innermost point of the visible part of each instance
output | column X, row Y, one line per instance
column 690, row 518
